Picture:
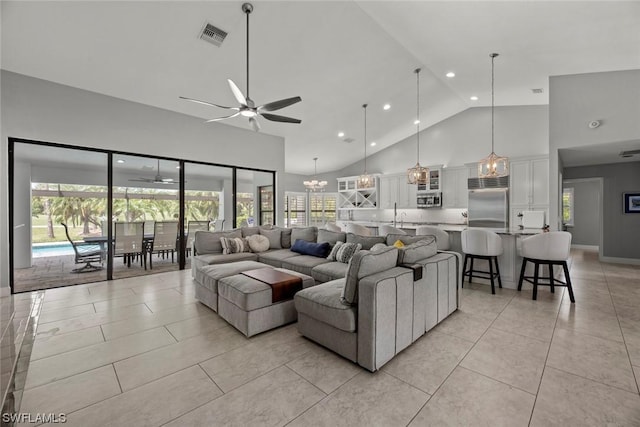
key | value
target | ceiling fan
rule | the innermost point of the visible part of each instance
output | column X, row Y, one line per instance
column 247, row 107
column 158, row 179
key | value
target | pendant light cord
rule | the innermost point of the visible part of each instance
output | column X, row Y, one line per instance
column 365, row 138
column 248, row 12
column 417, row 71
column 493, row 57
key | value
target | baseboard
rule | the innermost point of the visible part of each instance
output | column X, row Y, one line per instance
column 5, row 291
column 586, row 247
column 615, row 260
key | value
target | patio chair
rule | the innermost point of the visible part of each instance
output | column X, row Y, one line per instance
column 192, row 227
column 129, row 242
column 85, row 253
column 165, row 240
column 218, row 225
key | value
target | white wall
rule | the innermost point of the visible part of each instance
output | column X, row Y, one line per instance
column 466, row 138
column 45, row 111
column 574, row 101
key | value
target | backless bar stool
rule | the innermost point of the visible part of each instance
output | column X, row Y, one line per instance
column 482, row 244
column 547, row 249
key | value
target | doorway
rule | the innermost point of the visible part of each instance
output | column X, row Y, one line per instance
column 582, row 212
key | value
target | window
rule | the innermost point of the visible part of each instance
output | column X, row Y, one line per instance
column 567, row 206
column 295, row 209
column 322, row 208
column 266, row 204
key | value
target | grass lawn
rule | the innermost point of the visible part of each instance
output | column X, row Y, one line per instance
column 39, row 231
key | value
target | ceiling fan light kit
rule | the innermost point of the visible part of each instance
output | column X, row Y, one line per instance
column 247, row 107
column 158, row 179
column 315, row 184
column 493, row 166
column 418, row 175
column 365, row 180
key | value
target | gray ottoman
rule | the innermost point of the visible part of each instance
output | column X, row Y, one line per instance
column 207, row 279
column 246, row 304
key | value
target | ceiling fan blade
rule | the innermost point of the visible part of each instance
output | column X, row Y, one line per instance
column 207, row 103
column 222, row 118
column 277, row 118
column 276, row 105
column 254, row 123
column 237, row 93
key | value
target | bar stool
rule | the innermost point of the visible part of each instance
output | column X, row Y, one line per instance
column 442, row 237
column 358, row 229
column 482, row 244
column 547, row 249
column 384, row 229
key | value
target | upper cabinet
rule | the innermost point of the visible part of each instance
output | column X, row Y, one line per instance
column 529, row 180
column 395, row 190
column 434, row 180
column 351, row 196
column 454, row 187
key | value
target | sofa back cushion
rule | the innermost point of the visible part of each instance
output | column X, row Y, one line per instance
column 407, row 240
column 208, row 242
column 311, row 248
column 250, row 231
column 367, row 242
column 366, row 263
column 331, row 236
column 308, row 234
column 274, row 236
column 410, row 254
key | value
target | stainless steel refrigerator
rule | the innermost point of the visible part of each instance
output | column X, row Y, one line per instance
column 489, row 207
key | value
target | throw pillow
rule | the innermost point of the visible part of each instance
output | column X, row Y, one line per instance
column 233, row 245
column 258, row 243
column 274, row 236
column 334, row 251
column 310, row 248
column 347, row 251
column 398, row 244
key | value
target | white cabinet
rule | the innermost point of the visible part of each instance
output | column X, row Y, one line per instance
column 351, row 196
column 395, row 190
column 529, row 187
column 454, row 187
column 387, row 192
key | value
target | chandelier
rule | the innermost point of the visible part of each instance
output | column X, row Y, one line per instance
column 365, row 180
column 314, row 184
column 418, row 174
column 493, row 166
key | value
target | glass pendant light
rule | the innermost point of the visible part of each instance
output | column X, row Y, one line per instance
column 493, row 166
column 365, row 180
column 314, row 184
column 418, row 175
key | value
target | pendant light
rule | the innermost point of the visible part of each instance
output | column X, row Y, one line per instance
column 365, row 180
column 493, row 166
column 418, row 175
column 314, row 184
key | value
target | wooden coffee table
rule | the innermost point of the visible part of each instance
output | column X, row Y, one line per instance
column 283, row 285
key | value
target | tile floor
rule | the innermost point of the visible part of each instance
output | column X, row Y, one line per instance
column 142, row 351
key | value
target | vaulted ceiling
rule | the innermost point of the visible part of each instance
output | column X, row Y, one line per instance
column 336, row 55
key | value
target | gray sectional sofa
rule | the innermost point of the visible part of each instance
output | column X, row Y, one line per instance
column 366, row 310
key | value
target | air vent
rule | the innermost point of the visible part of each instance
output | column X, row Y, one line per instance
column 479, row 183
column 348, row 140
column 540, row 90
column 213, row 34
column 629, row 153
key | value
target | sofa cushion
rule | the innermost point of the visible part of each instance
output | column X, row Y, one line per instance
column 334, row 251
column 208, row 242
column 366, row 263
column 322, row 303
column 234, row 245
column 276, row 256
column 209, row 275
column 417, row 251
column 346, row 252
column 258, row 243
column 378, row 247
column 211, row 259
column 274, row 236
column 331, row 236
column 249, row 231
column 310, row 248
column 367, row 242
column 245, row 292
column 303, row 263
column 407, row 240
column 307, row 233
column 329, row 271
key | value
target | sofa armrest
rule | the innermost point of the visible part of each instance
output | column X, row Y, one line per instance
column 459, row 276
column 385, row 307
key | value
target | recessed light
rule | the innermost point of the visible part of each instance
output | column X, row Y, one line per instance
column 416, row 122
column 451, row 74
column 373, row 144
column 386, row 106
column 120, row 161
column 340, row 134
column 474, row 98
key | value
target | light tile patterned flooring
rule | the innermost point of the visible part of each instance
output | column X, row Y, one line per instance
column 142, row 351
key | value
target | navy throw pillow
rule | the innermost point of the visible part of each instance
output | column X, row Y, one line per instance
column 310, row 248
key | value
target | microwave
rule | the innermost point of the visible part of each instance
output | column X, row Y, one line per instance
column 429, row 200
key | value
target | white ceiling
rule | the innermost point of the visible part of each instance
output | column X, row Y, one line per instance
column 335, row 55
column 600, row 154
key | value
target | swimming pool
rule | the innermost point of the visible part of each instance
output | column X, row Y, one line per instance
column 51, row 249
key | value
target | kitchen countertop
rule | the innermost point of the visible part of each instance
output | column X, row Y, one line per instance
column 452, row 227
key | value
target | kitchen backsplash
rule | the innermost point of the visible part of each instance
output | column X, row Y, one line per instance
column 444, row 216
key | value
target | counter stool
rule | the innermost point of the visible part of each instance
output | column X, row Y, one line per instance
column 358, row 229
column 384, row 229
column 442, row 237
column 547, row 249
column 482, row 244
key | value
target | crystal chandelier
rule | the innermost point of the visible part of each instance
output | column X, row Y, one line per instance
column 314, row 184
column 493, row 166
column 418, row 174
column 365, row 180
